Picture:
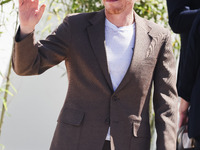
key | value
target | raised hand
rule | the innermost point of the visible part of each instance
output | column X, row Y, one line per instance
column 29, row 15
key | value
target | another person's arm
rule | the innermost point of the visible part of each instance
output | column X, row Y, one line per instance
column 181, row 16
column 191, row 63
column 190, row 68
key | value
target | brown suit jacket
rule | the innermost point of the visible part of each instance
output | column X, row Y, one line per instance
column 91, row 105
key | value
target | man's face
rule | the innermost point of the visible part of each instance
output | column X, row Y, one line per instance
column 118, row 6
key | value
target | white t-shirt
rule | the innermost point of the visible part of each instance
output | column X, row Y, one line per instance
column 119, row 46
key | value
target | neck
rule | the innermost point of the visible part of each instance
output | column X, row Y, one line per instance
column 122, row 19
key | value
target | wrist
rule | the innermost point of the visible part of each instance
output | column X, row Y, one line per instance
column 24, row 31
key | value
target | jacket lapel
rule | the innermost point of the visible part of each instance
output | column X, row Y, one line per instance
column 142, row 47
column 96, row 34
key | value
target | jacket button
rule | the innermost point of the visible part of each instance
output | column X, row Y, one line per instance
column 115, row 98
column 107, row 121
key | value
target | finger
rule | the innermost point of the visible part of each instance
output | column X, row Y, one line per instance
column 187, row 120
column 183, row 120
column 21, row 2
column 186, row 129
column 180, row 122
column 36, row 2
column 41, row 11
column 26, row 5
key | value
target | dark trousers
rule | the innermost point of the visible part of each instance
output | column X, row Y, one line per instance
column 106, row 145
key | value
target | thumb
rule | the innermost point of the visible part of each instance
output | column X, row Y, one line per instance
column 41, row 11
column 183, row 120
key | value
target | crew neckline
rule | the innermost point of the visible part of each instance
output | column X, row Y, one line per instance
column 114, row 27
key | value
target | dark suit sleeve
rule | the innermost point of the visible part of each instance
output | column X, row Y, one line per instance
column 165, row 97
column 30, row 58
column 181, row 16
column 191, row 64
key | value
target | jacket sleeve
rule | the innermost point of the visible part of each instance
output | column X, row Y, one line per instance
column 30, row 58
column 191, row 65
column 181, row 16
column 165, row 97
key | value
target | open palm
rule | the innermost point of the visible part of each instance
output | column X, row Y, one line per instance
column 29, row 14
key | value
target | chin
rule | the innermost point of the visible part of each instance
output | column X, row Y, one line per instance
column 114, row 10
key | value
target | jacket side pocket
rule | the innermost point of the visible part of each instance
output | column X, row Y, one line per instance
column 140, row 129
column 71, row 116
